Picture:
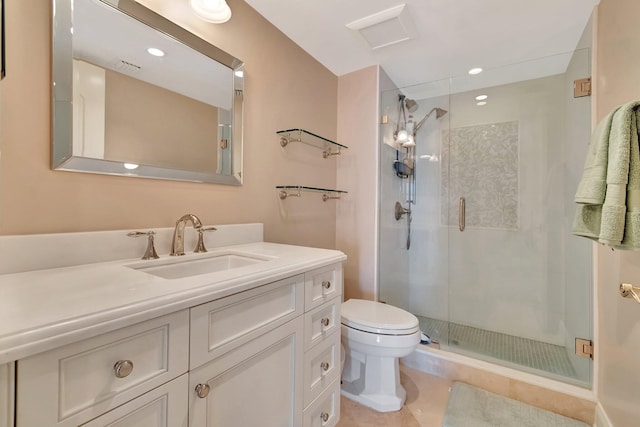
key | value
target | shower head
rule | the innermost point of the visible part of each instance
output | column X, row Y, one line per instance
column 439, row 113
column 411, row 105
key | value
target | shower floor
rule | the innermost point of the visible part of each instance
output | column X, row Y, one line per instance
column 521, row 351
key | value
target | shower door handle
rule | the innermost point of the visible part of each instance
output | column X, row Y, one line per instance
column 461, row 214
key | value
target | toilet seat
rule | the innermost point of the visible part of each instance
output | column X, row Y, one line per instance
column 377, row 318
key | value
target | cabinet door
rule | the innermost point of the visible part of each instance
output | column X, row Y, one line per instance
column 257, row 384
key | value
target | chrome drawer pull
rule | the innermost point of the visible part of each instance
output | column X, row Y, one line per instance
column 324, row 366
column 202, row 390
column 324, row 417
column 325, row 321
column 326, row 284
column 123, row 368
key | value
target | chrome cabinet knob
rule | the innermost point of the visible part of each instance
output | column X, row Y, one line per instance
column 324, row 417
column 202, row 390
column 325, row 321
column 326, row 284
column 324, row 366
column 123, row 368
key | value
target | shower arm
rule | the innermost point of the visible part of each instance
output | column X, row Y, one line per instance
column 424, row 119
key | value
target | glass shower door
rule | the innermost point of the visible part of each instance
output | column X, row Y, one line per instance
column 519, row 283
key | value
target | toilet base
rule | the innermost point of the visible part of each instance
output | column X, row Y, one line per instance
column 373, row 381
column 378, row 402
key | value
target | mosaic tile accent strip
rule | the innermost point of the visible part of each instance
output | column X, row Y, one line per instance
column 521, row 351
column 483, row 168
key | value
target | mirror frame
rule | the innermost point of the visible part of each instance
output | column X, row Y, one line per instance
column 62, row 157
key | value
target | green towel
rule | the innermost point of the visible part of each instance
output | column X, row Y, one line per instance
column 608, row 195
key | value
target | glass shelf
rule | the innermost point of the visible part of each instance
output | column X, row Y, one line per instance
column 296, row 191
column 304, row 136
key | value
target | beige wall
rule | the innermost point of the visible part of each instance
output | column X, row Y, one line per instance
column 358, row 174
column 284, row 86
column 617, row 75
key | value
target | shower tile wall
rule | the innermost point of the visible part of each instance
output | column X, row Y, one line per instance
column 483, row 167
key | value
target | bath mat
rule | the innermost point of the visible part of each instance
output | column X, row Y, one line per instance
column 472, row 407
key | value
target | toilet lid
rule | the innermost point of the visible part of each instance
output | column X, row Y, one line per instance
column 378, row 318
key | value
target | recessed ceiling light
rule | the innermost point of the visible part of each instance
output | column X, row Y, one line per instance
column 130, row 166
column 481, row 97
column 474, row 71
column 214, row 11
column 239, row 73
column 481, row 103
column 155, row 51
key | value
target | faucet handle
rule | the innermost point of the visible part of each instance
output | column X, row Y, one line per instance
column 150, row 253
column 200, row 245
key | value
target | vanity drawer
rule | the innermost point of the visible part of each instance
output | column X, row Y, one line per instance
column 321, row 285
column 325, row 410
column 321, row 367
column 224, row 324
column 321, row 322
column 165, row 406
column 93, row 376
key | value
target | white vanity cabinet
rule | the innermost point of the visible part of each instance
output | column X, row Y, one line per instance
column 268, row 356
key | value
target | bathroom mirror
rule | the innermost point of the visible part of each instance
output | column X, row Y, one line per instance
column 136, row 95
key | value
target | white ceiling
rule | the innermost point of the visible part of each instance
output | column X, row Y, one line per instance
column 452, row 36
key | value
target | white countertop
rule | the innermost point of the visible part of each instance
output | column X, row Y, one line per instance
column 44, row 309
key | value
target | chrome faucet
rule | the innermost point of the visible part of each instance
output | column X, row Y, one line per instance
column 177, row 245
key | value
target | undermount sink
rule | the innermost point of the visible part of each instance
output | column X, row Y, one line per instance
column 179, row 268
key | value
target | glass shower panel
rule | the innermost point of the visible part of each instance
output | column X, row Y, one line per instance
column 519, row 282
column 393, row 264
column 414, row 279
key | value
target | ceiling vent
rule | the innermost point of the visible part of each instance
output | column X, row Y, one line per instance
column 127, row 67
column 385, row 28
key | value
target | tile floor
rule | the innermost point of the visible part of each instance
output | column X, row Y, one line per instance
column 521, row 351
column 427, row 398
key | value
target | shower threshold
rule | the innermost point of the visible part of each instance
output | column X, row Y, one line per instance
column 495, row 345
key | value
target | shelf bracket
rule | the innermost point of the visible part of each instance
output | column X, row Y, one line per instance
column 328, row 153
column 627, row 290
column 284, row 194
column 326, row 197
column 284, row 140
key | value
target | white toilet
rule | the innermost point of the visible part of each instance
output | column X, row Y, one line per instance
column 374, row 336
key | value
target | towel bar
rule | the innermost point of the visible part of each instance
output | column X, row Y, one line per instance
column 627, row 290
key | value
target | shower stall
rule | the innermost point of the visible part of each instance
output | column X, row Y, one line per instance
column 476, row 212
